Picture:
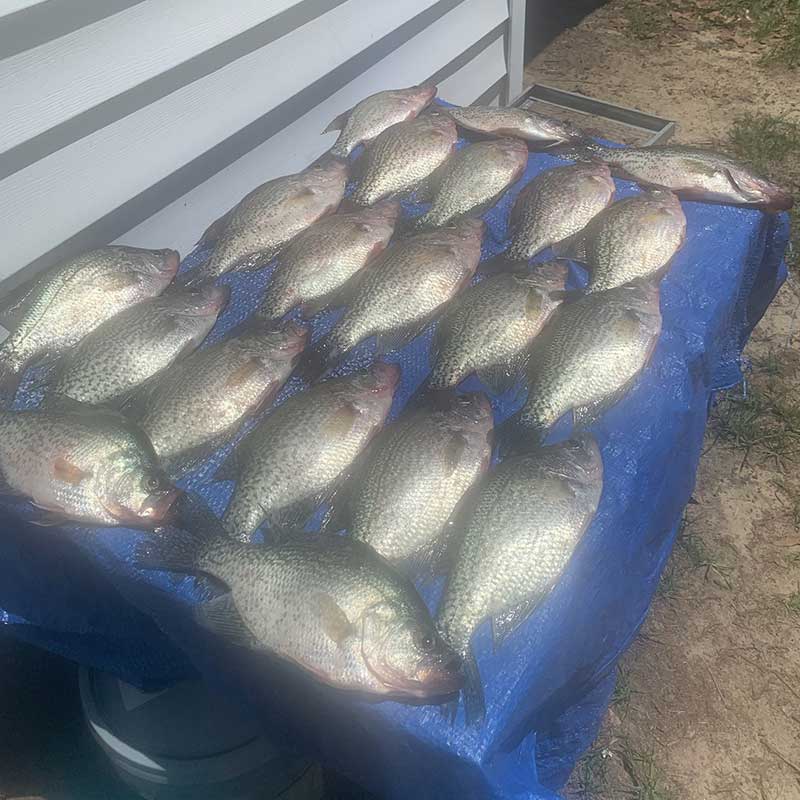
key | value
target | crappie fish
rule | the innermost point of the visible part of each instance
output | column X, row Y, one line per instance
column 318, row 263
column 85, row 464
column 265, row 220
column 138, row 343
column 474, row 179
column 526, row 522
column 403, row 156
column 202, row 399
column 512, row 121
column 556, row 204
column 691, row 172
column 416, row 473
column 404, row 289
column 375, row 114
column 633, row 238
column 72, row 299
column 328, row 604
column 589, row 355
column 489, row 328
column 296, row 456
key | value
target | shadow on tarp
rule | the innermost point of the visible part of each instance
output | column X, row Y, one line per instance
column 77, row 592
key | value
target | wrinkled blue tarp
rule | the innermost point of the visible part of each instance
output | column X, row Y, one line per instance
column 75, row 591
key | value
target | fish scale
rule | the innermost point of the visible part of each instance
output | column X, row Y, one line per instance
column 70, row 301
column 556, row 204
column 488, row 328
column 376, row 113
column 328, row 604
column 138, row 343
column 406, row 286
column 294, row 457
column 416, row 473
column 321, row 260
column 589, row 353
column 474, row 178
column 526, row 521
column 633, row 238
column 403, row 156
column 205, row 396
column 83, row 464
column 268, row 218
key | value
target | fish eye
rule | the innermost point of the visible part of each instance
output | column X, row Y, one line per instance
column 152, row 483
column 425, row 642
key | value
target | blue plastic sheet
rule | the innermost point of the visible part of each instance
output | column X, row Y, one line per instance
column 76, row 591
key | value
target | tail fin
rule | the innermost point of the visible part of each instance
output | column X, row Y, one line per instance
column 474, row 700
column 175, row 547
column 9, row 383
column 502, row 262
column 427, row 397
column 513, row 438
column 319, row 359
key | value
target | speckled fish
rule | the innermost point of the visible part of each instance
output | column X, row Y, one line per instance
column 269, row 217
column 526, row 522
column 489, row 327
column 376, row 113
column 416, row 473
column 589, row 354
column 474, row 179
column 71, row 300
column 511, row 121
column 84, row 464
column 201, row 400
column 403, row 290
column 556, row 204
column 328, row 604
column 633, row 238
column 137, row 344
column 403, row 156
column 319, row 263
column 691, row 172
column 296, row 456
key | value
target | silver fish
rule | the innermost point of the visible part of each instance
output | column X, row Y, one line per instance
column 320, row 261
column 403, row 156
column 328, row 604
column 265, row 220
column 202, row 399
column 416, row 473
column 473, row 180
column 556, row 204
column 72, row 299
column 374, row 114
column 84, row 464
column 633, row 238
column 489, row 328
column 511, row 121
column 589, row 354
column 404, row 289
column 138, row 343
column 691, row 172
column 297, row 455
column 527, row 519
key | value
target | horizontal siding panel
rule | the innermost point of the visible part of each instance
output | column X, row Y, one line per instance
column 76, row 186
column 467, row 84
column 56, row 81
column 428, row 53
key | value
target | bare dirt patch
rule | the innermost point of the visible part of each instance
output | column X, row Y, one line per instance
column 708, row 698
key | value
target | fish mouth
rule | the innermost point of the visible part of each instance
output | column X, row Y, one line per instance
column 172, row 260
column 154, row 510
column 777, row 200
column 388, row 375
column 213, row 298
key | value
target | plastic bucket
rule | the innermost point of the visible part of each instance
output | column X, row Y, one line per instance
column 186, row 743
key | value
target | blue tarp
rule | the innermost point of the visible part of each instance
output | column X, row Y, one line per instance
column 76, row 592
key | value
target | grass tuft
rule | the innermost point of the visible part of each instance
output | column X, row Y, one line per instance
column 591, row 775
column 793, row 603
column 647, row 20
column 623, row 691
column 647, row 778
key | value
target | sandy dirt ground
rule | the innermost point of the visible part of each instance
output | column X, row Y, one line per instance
column 708, row 698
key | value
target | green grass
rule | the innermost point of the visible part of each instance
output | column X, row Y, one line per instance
column 591, row 775
column 646, row 20
column 793, row 603
column 647, row 778
column 771, row 145
column 623, row 691
column 701, row 558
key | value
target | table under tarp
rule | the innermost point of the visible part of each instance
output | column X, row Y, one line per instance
column 77, row 592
